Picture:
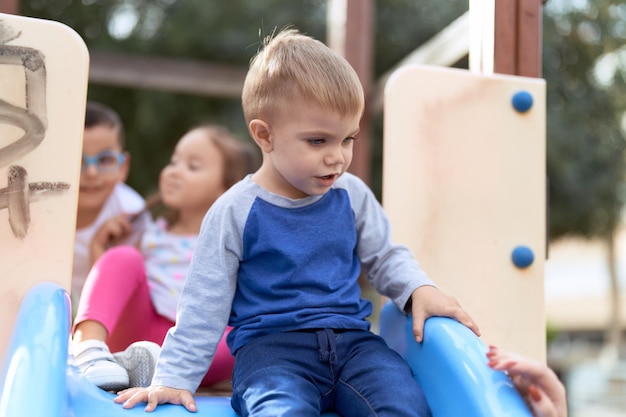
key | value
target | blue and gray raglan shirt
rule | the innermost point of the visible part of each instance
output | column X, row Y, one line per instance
column 266, row 263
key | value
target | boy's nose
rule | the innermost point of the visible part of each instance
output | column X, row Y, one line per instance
column 335, row 157
column 90, row 169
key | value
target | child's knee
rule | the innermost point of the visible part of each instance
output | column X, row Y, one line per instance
column 125, row 254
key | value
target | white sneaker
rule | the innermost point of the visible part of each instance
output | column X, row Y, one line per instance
column 139, row 360
column 95, row 361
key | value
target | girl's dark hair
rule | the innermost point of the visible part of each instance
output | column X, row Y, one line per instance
column 240, row 159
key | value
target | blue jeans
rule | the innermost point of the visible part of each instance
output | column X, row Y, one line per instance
column 305, row 373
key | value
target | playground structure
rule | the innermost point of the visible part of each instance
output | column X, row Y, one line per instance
column 43, row 90
column 451, row 363
column 464, row 187
column 464, row 184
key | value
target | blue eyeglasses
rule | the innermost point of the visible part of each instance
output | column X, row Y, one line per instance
column 105, row 162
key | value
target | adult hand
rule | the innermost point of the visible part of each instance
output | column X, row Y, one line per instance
column 536, row 382
column 155, row 395
column 428, row 301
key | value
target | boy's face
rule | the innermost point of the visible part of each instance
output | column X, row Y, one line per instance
column 95, row 186
column 307, row 149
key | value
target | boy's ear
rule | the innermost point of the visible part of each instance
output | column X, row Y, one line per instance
column 260, row 132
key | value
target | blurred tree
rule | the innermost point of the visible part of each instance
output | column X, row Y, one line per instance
column 584, row 69
column 206, row 30
column 216, row 31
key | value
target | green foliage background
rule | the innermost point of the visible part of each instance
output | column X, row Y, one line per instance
column 585, row 136
column 585, row 139
column 222, row 32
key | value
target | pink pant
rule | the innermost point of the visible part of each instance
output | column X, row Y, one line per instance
column 116, row 295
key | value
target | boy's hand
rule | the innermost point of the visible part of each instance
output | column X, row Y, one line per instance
column 428, row 301
column 113, row 230
column 155, row 395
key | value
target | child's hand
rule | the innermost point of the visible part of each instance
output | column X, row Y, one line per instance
column 112, row 231
column 155, row 395
column 537, row 383
column 428, row 301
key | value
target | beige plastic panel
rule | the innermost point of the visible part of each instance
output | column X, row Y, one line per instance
column 43, row 89
column 464, row 183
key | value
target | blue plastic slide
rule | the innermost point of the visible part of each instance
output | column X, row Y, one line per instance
column 38, row 382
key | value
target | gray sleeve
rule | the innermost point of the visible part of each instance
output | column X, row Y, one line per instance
column 205, row 303
column 390, row 267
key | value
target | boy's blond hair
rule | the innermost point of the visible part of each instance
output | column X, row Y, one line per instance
column 292, row 67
